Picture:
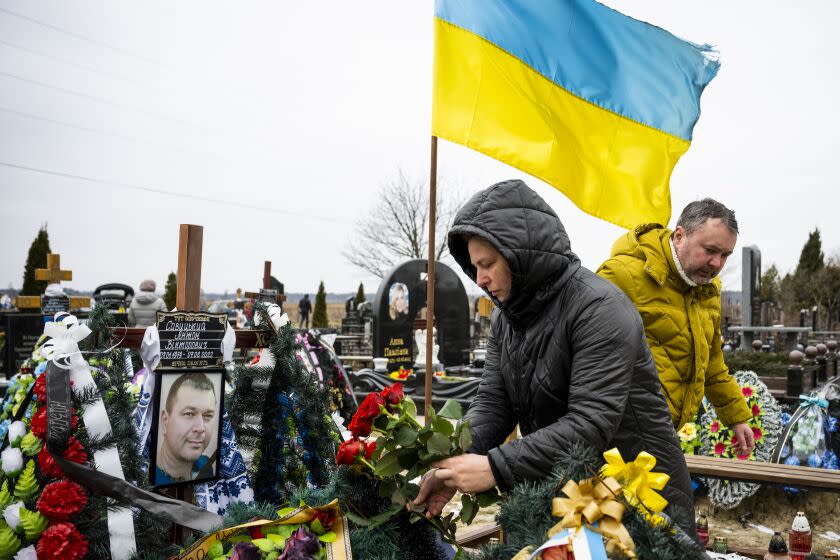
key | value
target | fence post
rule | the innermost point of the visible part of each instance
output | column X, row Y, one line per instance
column 832, row 358
column 810, row 364
column 794, row 374
column 821, row 363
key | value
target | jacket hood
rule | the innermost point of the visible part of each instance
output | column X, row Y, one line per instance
column 145, row 297
column 528, row 234
column 650, row 243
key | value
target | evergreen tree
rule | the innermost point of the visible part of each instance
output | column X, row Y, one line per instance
column 360, row 294
column 811, row 259
column 37, row 258
column 770, row 285
column 319, row 315
column 170, row 291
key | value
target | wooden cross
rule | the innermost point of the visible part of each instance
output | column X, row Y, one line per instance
column 188, row 296
column 266, row 294
column 53, row 272
column 190, row 244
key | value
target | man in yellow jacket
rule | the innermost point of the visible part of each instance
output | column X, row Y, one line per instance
column 671, row 277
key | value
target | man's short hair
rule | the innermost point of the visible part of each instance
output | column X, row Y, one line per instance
column 696, row 213
column 196, row 380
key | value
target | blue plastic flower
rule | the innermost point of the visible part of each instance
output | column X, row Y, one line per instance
column 814, row 461
column 785, row 418
column 792, row 460
column 829, row 460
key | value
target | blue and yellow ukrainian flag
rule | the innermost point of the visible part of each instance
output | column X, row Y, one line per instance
column 595, row 103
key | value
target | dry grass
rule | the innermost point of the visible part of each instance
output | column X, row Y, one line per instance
column 335, row 312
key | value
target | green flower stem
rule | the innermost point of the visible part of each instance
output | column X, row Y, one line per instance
column 366, row 463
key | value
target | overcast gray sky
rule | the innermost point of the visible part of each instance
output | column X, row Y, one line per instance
column 305, row 108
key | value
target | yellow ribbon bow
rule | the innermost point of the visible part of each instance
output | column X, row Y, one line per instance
column 638, row 482
column 594, row 501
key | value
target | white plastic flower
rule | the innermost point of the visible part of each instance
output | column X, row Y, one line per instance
column 16, row 432
column 27, row 553
column 12, row 460
column 12, row 515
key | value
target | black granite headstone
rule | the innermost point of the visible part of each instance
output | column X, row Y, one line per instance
column 401, row 296
column 22, row 332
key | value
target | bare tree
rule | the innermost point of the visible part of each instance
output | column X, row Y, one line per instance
column 396, row 227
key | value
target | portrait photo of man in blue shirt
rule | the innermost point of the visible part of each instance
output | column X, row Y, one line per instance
column 188, row 424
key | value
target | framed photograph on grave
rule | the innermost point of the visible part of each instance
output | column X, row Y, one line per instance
column 398, row 301
column 186, row 432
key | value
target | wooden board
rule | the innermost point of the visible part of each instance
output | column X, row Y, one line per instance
column 768, row 473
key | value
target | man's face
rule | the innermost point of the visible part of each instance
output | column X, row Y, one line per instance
column 492, row 272
column 187, row 428
column 703, row 253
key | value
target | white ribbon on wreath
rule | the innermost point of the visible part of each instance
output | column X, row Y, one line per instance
column 65, row 333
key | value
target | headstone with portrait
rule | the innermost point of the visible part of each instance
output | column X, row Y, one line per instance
column 401, row 301
column 188, row 399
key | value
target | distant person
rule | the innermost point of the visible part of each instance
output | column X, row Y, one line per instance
column 304, row 309
column 671, row 277
column 187, row 426
column 144, row 306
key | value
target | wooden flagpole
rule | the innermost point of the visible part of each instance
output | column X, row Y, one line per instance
column 430, row 281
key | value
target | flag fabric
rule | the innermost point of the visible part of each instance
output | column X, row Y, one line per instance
column 597, row 104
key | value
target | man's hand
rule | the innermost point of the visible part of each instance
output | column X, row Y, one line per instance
column 744, row 440
column 434, row 493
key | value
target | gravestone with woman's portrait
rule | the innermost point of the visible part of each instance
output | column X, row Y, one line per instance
column 399, row 305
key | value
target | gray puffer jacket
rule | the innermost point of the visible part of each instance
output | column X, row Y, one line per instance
column 143, row 309
column 566, row 358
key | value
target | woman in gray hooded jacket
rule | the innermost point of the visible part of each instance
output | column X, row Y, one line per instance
column 567, row 358
column 144, row 306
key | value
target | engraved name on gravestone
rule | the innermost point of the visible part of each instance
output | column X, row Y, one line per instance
column 50, row 305
column 191, row 339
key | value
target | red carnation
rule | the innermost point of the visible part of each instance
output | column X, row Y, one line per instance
column 38, row 425
column 62, row 541
column 74, row 452
column 393, row 395
column 40, row 388
column 756, row 410
column 720, row 448
column 256, row 533
column 62, row 500
column 348, row 451
column 369, row 449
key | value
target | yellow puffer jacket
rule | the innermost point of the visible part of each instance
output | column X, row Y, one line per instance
column 682, row 325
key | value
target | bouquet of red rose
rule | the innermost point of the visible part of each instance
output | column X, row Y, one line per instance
column 394, row 447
